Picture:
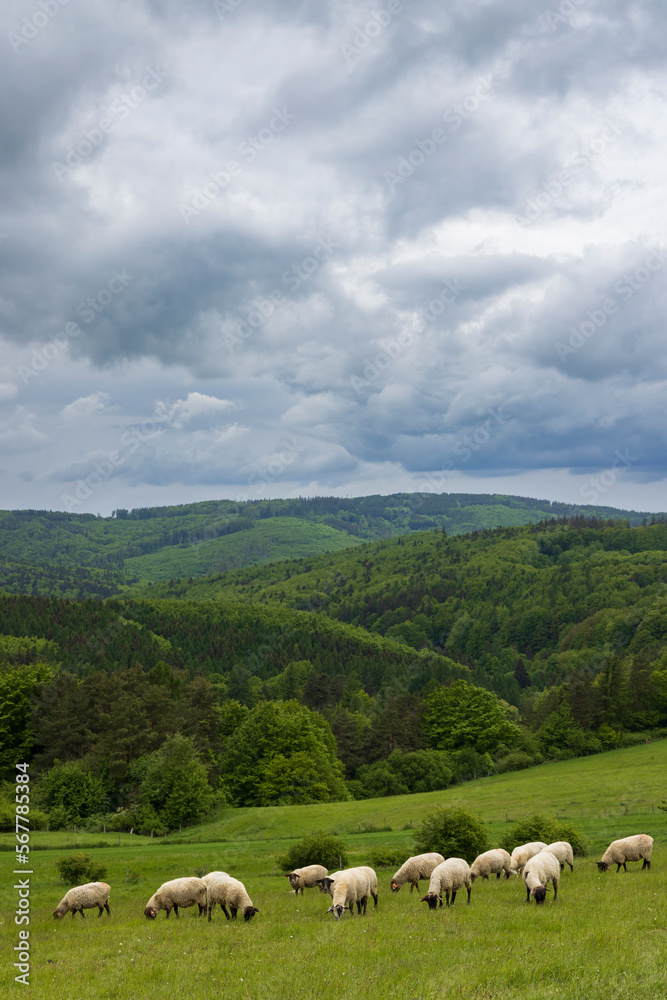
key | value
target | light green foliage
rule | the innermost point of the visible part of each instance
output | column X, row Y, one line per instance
column 71, row 791
column 283, row 740
column 454, row 833
column 17, row 686
column 174, row 787
column 548, row 831
column 319, row 848
column 402, row 773
column 77, row 868
column 463, row 715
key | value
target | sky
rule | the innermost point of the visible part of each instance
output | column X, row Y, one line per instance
column 255, row 249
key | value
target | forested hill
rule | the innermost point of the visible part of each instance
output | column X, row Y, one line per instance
column 160, row 543
column 361, row 672
column 521, row 607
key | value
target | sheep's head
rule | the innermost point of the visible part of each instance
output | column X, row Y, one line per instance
column 473, row 876
column 431, row 898
column 326, row 883
column 249, row 912
column 150, row 913
column 292, row 878
column 540, row 893
column 338, row 909
column 395, row 887
column 602, row 866
column 59, row 913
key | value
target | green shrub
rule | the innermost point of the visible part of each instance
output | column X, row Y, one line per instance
column 454, row 833
column 319, row 849
column 516, row 761
column 77, row 869
column 386, row 857
column 541, row 828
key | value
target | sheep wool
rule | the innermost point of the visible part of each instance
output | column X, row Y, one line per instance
column 539, row 870
column 448, row 877
column 372, row 883
column 522, row 854
column 418, row 867
column 306, row 878
column 347, row 887
column 181, row 892
column 211, row 875
column 563, row 851
column 229, row 892
column 491, row 863
column 629, row 849
column 84, row 897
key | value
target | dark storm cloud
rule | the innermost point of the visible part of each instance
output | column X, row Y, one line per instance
column 411, row 235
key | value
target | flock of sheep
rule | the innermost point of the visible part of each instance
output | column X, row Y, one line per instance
column 537, row 863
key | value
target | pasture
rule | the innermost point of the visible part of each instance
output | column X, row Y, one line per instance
column 604, row 939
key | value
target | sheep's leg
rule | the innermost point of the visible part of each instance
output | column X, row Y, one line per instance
column 375, row 900
column 224, row 910
column 412, row 887
column 106, row 907
column 82, row 913
column 469, row 888
column 454, row 891
column 210, row 910
column 202, row 909
column 497, row 876
column 176, row 910
column 618, row 867
column 447, row 896
column 555, row 885
column 100, row 911
column 234, row 910
column 527, row 894
column 647, row 864
column 571, row 867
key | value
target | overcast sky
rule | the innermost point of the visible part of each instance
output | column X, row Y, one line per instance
column 255, row 248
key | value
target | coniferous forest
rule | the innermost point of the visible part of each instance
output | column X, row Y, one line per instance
column 401, row 665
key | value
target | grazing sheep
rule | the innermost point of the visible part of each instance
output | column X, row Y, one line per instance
column 539, row 870
column 491, row 863
column 211, row 875
column 306, row 878
column 182, row 892
column 449, row 877
column 84, row 897
column 563, row 851
column 372, row 883
column 229, row 892
column 419, row 866
column 629, row 849
column 522, row 854
column 347, row 887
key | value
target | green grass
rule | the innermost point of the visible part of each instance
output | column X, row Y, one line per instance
column 604, row 939
column 269, row 540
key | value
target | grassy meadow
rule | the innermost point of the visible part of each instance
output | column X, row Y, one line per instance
column 605, row 937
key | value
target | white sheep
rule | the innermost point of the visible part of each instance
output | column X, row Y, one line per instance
column 563, row 851
column 229, row 892
column 84, row 897
column 539, row 870
column 211, row 875
column 629, row 849
column 522, row 854
column 419, row 866
column 306, row 878
column 181, row 892
column 372, row 883
column 347, row 887
column 448, row 877
column 491, row 863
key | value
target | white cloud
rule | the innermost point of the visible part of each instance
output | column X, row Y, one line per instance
column 84, row 408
